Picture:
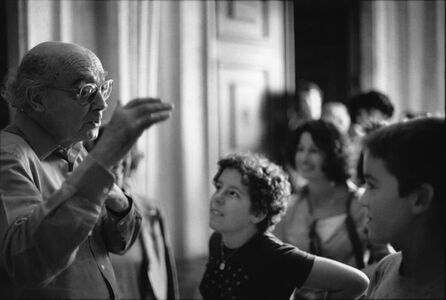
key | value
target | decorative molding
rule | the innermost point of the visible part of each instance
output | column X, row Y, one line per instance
column 241, row 92
column 245, row 21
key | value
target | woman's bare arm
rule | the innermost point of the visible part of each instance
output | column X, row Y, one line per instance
column 340, row 280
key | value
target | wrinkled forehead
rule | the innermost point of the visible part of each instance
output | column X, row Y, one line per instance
column 69, row 64
column 76, row 67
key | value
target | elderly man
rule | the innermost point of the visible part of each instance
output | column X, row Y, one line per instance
column 60, row 211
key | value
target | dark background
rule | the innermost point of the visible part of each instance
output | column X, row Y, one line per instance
column 327, row 45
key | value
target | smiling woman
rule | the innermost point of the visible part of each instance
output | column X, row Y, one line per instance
column 325, row 217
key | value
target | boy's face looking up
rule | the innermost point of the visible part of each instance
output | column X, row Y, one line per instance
column 389, row 214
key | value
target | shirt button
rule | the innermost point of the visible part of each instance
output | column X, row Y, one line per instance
column 105, row 191
column 103, row 267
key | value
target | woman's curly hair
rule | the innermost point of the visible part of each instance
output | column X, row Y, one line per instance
column 267, row 184
column 331, row 142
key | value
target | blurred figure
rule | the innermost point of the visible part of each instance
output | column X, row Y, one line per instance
column 325, row 217
column 371, row 106
column 283, row 114
column 337, row 113
column 358, row 174
column 308, row 104
column 366, row 108
column 147, row 270
column 405, row 196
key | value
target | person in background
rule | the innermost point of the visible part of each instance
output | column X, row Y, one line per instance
column 404, row 167
column 245, row 260
column 308, row 102
column 325, row 217
column 147, row 270
column 366, row 107
column 61, row 213
column 358, row 173
column 337, row 113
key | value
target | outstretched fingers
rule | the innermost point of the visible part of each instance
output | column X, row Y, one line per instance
column 152, row 118
column 148, row 111
column 141, row 101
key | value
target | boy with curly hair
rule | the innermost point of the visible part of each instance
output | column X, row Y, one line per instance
column 245, row 260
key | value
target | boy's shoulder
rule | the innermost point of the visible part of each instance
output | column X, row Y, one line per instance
column 387, row 283
column 387, row 267
column 382, row 280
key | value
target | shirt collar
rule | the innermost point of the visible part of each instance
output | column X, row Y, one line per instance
column 42, row 143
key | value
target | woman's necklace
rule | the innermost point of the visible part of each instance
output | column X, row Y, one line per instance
column 223, row 259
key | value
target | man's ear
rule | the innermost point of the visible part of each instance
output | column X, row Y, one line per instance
column 422, row 198
column 35, row 101
column 257, row 217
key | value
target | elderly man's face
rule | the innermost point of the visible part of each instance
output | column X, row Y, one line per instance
column 67, row 120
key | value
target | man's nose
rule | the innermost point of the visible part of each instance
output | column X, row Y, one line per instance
column 99, row 102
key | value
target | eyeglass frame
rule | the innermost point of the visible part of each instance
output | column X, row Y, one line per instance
column 79, row 90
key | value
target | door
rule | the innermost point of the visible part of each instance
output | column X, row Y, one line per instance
column 245, row 60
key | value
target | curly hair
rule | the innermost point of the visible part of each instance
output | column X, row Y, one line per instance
column 330, row 141
column 267, row 184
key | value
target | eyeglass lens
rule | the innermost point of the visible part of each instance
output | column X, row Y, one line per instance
column 88, row 92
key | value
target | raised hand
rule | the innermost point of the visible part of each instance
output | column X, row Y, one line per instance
column 126, row 126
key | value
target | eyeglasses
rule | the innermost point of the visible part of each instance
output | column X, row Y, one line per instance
column 86, row 93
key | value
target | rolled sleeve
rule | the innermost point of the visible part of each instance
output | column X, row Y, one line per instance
column 43, row 223
column 121, row 232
